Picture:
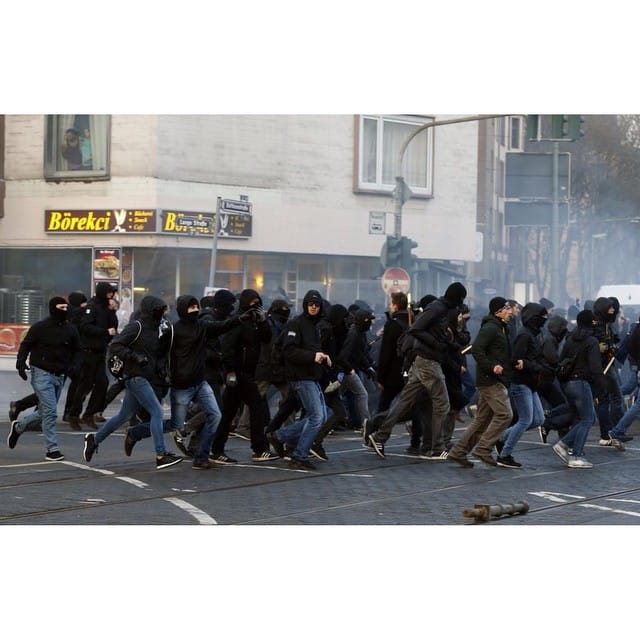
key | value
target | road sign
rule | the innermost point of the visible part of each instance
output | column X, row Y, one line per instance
column 395, row 280
column 530, row 175
column 377, row 222
column 534, row 213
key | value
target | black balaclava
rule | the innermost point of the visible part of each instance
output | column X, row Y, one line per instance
column 601, row 309
column 280, row 309
column 312, row 296
column 224, row 302
column 363, row 320
column 455, row 294
column 76, row 298
column 182, row 307
column 534, row 316
column 57, row 314
column 102, row 289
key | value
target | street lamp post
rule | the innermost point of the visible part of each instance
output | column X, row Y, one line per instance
column 214, row 245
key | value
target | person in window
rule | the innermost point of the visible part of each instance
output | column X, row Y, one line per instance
column 70, row 149
column 85, row 150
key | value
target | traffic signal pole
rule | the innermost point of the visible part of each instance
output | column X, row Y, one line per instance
column 401, row 193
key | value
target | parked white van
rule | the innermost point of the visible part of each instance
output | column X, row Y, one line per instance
column 628, row 294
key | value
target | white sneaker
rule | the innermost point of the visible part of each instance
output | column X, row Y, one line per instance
column 577, row 462
column 561, row 450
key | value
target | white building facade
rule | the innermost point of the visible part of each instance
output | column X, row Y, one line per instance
column 300, row 194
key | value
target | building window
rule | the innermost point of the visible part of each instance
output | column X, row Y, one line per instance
column 379, row 141
column 77, row 147
column 516, row 142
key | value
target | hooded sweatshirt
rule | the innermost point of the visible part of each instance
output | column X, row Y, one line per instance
column 190, row 335
column 52, row 344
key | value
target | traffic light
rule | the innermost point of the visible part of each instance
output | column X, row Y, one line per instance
column 533, row 127
column 559, row 127
column 391, row 252
column 575, row 127
column 408, row 261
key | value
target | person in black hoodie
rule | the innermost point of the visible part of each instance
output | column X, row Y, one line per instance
column 217, row 307
column 430, row 343
column 611, row 407
column 304, row 362
column 240, row 352
column 98, row 325
column 528, row 369
column 586, row 382
column 52, row 346
column 187, row 373
column 143, row 346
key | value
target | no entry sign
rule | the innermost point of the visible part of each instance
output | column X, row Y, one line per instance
column 395, row 280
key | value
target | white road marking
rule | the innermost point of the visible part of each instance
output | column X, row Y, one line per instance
column 199, row 515
column 621, row 511
column 105, row 472
column 133, row 481
column 555, row 497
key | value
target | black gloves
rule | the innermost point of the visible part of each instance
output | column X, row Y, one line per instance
column 22, row 370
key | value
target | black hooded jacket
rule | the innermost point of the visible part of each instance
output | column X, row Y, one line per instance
column 582, row 343
column 145, row 355
column 241, row 345
column 97, row 319
column 190, row 335
column 430, row 327
column 301, row 342
column 51, row 344
column 528, row 346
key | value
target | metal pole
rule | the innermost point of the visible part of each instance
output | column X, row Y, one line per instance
column 214, row 245
column 555, row 233
column 397, row 194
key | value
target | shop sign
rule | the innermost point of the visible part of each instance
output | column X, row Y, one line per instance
column 100, row 221
column 232, row 225
column 188, row 222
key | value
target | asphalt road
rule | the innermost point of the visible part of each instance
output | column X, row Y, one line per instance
column 354, row 487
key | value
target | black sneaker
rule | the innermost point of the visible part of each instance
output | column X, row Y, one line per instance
column 167, row 460
column 200, row 466
column 12, row 438
column 318, row 451
column 543, row 432
column 13, row 411
column 378, row 447
column 412, row 451
column 300, row 465
column 499, row 445
column 54, row 456
column 223, row 459
column 129, row 443
column 90, row 446
column 178, row 438
column 508, row 462
column 265, row 456
column 277, row 446
column 487, row 458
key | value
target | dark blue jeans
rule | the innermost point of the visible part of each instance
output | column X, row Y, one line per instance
column 580, row 398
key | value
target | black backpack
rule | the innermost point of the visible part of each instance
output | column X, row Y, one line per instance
column 115, row 364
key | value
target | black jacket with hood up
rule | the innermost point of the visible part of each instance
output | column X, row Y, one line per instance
column 190, row 335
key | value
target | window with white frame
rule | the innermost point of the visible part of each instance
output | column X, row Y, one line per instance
column 516, row 128
column 380, row 140
column 77, row 147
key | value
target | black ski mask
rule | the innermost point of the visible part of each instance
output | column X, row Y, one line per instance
column 60, row 315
